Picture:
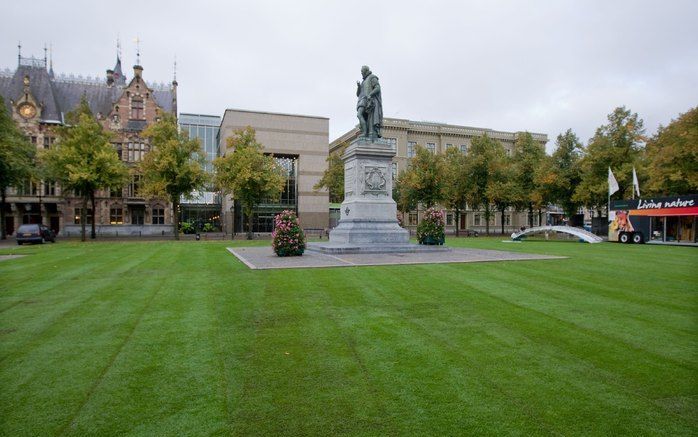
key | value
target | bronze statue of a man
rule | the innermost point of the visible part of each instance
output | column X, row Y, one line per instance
column 369, row 107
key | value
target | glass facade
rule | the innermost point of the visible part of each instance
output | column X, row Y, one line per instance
column 205, row 128
column 202, row 210
column 263, row 214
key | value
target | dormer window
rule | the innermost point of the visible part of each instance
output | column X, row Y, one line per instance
column 137, row 109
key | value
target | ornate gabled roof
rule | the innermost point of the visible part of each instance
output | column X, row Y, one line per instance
column 61, row 94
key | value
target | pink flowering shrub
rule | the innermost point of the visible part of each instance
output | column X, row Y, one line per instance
column 431, row 229
column 288, row 238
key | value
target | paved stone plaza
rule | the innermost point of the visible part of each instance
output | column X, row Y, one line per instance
column 261, row 258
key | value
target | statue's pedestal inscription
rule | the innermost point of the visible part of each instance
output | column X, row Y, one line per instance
column 368, row 222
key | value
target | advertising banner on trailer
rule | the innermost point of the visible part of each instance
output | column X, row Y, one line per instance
column 655, row 219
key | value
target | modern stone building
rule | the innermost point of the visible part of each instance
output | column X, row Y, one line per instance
column 437, row 137
column 38, row 100
column 299, row 143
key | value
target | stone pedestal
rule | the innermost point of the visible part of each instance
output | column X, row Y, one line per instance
column 368, row 220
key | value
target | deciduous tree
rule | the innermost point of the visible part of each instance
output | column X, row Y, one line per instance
column 560, row 174
column 84, row 161
column 248, row 174
column 173, row 167
column 402, row 198
column 16, row 160
column 672, row 157
column 455, row 181
column 423, row 180
column 333, row 177
column 528, row 157
column 484, row 160
column 618, row 145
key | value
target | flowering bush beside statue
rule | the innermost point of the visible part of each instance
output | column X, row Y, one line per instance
column 288, row 238
column 430, row 230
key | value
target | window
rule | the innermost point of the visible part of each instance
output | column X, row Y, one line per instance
column 393, row 169
column 449, row 219
column 507, row 219
column 464, row 148
column 116, row 216
column 393, row 142
column 432, row 148
column 76, row 218
column 134, row 188
column 137, row 110
column 507, row 150
column 136, row 151
column 411, row 147
column 413, row 219
column 158, row 216
column 49, row 188
column 448, row 146
column 48, row 142
column 28, row 188
column 118, row 148
column 34, row 140
column 476, row 219
column 116, row 192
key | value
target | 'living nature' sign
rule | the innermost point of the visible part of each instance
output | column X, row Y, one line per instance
column 678, row 203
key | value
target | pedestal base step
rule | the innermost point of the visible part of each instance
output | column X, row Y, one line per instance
column 340, row 248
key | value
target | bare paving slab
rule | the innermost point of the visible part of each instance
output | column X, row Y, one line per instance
column 261, row 258
column 9, row 257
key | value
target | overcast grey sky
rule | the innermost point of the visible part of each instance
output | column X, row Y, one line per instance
column 541, row 66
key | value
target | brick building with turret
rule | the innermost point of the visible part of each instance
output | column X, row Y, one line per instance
column 38, row 101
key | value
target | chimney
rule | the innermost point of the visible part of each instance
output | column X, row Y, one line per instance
column 110, row 77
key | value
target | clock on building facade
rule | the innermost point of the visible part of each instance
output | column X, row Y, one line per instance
column 27, row 110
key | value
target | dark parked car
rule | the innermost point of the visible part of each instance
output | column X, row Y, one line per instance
column 35, row 234
column 471, row 233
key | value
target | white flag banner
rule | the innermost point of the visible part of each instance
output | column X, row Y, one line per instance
column 612, row 183
column 636, row 184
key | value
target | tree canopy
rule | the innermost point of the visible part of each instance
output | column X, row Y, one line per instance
column 16, row 159
column 672, row 156
column 423, row 180
column 248, row 174
column 333, row 177
column 84, row 161
column 483, row 171
column 174, row 166
column 455, row 181
column 528, row 156
column 617, row 145
column 560, row 173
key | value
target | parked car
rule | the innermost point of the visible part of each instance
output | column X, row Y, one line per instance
column 35, row 234
column 471, row 233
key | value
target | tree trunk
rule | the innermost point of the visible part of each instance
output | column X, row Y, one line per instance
column 503, row 209
column 249, row 223
column 457, row 222
column 487, row 220
column 83, row 217
column 93, row 233
column 175, row 216
column 540, row 217
column 3, row 231
column 530, row 215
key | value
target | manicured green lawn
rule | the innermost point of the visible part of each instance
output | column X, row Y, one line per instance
column 165, row 338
